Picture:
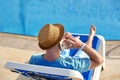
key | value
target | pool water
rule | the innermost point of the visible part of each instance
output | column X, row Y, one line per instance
column 28, row 16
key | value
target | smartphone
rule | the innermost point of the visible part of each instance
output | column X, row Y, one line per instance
column 63, row 45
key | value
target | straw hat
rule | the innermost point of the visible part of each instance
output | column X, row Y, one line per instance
column 50, row 35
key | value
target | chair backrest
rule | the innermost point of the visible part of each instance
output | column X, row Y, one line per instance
column 95, row 44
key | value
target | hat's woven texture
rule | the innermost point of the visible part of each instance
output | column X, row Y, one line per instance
column 50, row 35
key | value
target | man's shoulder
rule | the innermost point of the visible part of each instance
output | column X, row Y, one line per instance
column 36, row 56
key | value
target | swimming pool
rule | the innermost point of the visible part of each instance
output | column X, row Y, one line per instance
column 28, row 16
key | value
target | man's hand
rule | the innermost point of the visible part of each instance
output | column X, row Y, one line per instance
column 71, row 41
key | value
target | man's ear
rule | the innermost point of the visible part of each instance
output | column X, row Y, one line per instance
column 39, row 44
column 59, row 46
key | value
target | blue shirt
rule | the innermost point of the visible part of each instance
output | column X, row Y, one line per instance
column 78, row 63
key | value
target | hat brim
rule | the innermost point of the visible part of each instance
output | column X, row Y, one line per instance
column 61, row 30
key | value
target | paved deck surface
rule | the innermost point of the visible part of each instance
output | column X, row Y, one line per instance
column 19, row 48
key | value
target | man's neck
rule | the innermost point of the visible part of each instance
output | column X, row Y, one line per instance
column 51, row 56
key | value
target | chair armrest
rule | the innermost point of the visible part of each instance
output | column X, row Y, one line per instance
column 43, row 71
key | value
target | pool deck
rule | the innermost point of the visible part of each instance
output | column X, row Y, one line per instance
column 19, row 48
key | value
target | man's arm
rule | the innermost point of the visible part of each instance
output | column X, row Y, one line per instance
column 95, row 57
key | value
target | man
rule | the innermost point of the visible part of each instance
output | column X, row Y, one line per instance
column 49, row 39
